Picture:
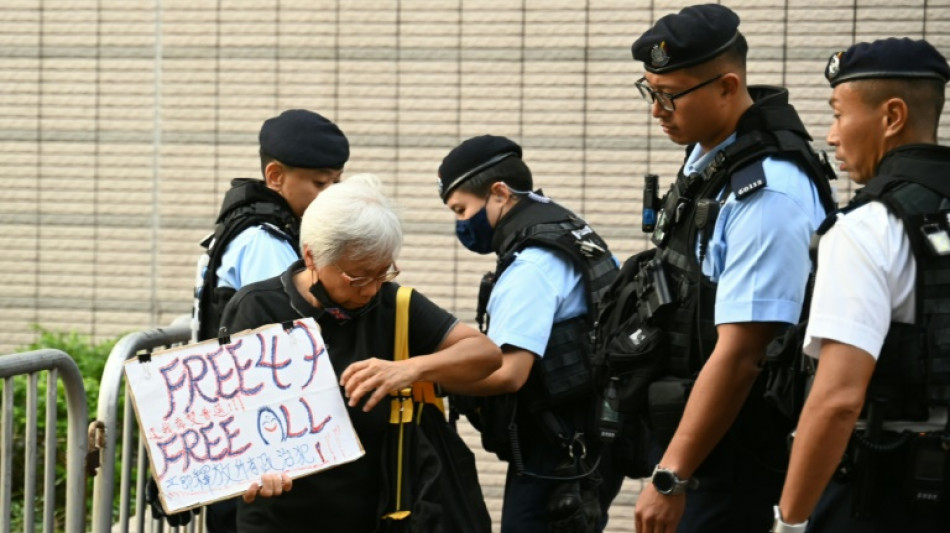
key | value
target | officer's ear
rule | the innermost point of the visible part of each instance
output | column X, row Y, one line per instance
column 895, row 118
column 730, row 84
column 274, row 175
column 500, row 191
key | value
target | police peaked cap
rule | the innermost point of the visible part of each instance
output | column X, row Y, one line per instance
column 471, row 157
column 887, row 58
column 694, row 35
column 304, row 139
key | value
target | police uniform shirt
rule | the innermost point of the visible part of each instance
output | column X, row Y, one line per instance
column 254, row 255
column 758, row 251
column 539, row 289
column 343, row 499
column 865, row 281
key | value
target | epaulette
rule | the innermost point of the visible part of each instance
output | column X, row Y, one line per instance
column 747, row 180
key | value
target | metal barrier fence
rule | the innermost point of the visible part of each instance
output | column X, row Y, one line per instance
column 104, row 431
column 58, row 366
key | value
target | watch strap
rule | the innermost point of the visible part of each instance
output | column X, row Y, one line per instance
column 781, row 526
column 680, row 486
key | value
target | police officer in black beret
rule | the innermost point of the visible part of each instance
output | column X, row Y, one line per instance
column 872, row 449
column 732, row 247
column 257, row 229
column 536, row 410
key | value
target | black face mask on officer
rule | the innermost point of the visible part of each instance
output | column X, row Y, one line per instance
column 475, row 232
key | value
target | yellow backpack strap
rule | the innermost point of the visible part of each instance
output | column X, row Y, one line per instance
column 401, row 345
column 401, row 411
column 422, row 391
column 402, row 408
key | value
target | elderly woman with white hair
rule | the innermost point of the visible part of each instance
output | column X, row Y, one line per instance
column 350, row 238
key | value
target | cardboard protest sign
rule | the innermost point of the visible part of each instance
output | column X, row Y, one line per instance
column 217, row 417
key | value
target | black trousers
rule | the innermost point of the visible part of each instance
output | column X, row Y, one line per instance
column 741, row 479
column 735, row 493
column 526, row 498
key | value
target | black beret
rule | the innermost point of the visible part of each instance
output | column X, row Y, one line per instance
column 304, row 139
column 887, row 58
column 694, row 35
column 471, row 157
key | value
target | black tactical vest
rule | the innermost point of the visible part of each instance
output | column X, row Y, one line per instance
column 248, row 203
column 913, row 370
column 560, row 385
column 680, row 298
column 564, row 371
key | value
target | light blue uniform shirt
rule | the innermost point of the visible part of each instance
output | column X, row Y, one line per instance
column 758, row 252
column 254, row 255
column 539, row 289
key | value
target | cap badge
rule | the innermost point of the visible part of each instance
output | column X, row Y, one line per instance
column 441, row 186
column 658, row 55
column 834, row 65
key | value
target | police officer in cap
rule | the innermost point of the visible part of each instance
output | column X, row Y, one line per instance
column 537, row 306
column 302, row 153
column 732, row 245
column 871, row 449
column 257, row 229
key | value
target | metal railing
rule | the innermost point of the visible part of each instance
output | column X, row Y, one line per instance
column 58, row 366
column 105, row 430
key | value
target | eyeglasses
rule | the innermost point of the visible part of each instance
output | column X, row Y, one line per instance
column 666, row 99
column 362, row 281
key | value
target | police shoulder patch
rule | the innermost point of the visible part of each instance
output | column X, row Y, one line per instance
column 747, row 180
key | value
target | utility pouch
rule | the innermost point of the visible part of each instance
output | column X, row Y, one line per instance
column 875, row 456
column 926, row 483
column 495, row 416
column 667, row 401
column 566, row 367
column 573, row 506
column 636, row 360
column 653, row 289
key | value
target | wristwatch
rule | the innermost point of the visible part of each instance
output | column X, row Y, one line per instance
column 781, row 526
column 667, row 482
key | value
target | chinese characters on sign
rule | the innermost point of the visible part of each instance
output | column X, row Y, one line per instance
column 217, row 417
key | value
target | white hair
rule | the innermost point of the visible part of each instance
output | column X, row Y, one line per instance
column 354, row 220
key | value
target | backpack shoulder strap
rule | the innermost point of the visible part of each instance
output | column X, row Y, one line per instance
column 422, row 391
column 401, row 343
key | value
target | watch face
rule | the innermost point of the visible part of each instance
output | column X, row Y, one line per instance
column 664, row 481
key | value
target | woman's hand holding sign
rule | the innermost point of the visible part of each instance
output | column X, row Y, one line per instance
column 272, row 484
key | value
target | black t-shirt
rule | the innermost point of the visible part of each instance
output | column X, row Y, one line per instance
column 344, row 498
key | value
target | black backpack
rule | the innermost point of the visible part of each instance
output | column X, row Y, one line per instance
column 628, row 355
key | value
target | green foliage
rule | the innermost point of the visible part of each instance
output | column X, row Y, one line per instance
column 91, row 358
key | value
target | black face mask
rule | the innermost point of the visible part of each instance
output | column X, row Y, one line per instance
column 337, row 311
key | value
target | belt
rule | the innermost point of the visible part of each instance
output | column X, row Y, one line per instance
column 937, row 421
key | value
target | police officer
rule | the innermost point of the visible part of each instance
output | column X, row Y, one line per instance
column 257, row 229
column 732, row 247
column 255, row 237
column 875, row 321
column 552, row 268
